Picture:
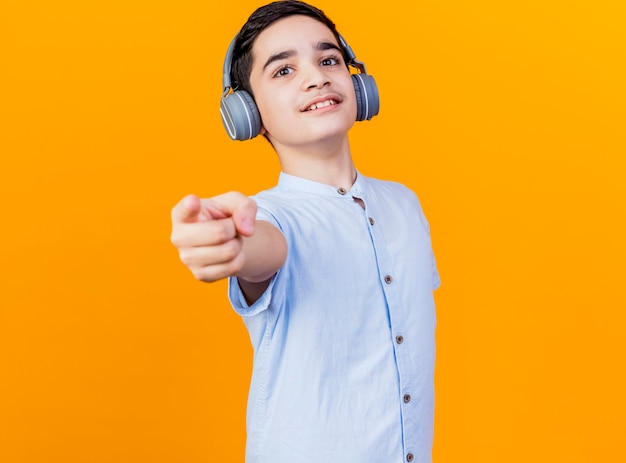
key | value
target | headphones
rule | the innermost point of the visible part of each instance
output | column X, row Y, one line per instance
column 240, row 114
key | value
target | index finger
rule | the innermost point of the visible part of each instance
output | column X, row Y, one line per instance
column 187, row 210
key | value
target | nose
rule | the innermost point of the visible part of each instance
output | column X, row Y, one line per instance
column 314, row 77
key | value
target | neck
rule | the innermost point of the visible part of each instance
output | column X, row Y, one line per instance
column 329, row 163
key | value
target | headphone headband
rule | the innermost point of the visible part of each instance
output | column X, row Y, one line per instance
column 228, row 61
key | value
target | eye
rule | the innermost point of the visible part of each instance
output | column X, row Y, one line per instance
column 285, row 70
column 330, row 61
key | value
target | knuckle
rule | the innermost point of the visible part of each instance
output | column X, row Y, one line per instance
column 201, row 273
column 208, row 274
column 185, row 256
column 231, row 250
column 222, row 232
column 175, row 239
column 198, row 274
column 237, row 263
column 236, row 194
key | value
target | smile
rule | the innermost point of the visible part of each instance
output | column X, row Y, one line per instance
column 321, row 104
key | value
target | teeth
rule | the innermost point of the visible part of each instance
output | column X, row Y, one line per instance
column 321, row 104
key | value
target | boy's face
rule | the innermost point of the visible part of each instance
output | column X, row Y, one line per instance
column 301, row 84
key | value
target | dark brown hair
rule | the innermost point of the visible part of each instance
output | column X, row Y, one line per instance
column 258, row 21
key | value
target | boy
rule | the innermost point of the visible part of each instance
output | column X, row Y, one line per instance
column 331, row 271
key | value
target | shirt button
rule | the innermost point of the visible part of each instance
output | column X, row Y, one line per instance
column 399, row 339
column 407, row 398
column 342, row 190
column 371, row 221
column 409, row 457
column 388, row 279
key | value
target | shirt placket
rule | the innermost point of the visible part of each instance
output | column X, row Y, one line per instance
column 390, row 282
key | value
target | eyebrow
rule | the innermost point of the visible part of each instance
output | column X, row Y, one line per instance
column 320, row 46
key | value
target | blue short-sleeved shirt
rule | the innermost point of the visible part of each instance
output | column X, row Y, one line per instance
column 343, row 337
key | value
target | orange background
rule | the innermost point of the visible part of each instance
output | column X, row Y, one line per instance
column 507, row 118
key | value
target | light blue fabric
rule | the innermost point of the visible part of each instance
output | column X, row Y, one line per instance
column 330, row 378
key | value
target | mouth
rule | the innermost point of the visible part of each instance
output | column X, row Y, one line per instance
column 321, row 104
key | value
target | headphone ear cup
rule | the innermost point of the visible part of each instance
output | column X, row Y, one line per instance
column 367, row 99
column 240, row 115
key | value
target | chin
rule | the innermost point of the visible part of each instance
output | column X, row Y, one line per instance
column 332, row 128
column 314, row 131
column 334, row 133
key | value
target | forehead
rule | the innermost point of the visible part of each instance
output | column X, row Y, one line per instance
column 291, row 32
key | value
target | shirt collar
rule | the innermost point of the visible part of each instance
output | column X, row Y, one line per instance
column 294, row 183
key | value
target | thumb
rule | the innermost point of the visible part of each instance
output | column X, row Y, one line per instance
column 244, row 217
column 187, row 210
column 241, row 208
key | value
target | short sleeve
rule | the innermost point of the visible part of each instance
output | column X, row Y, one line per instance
column 238, row 300
column 426, row 224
